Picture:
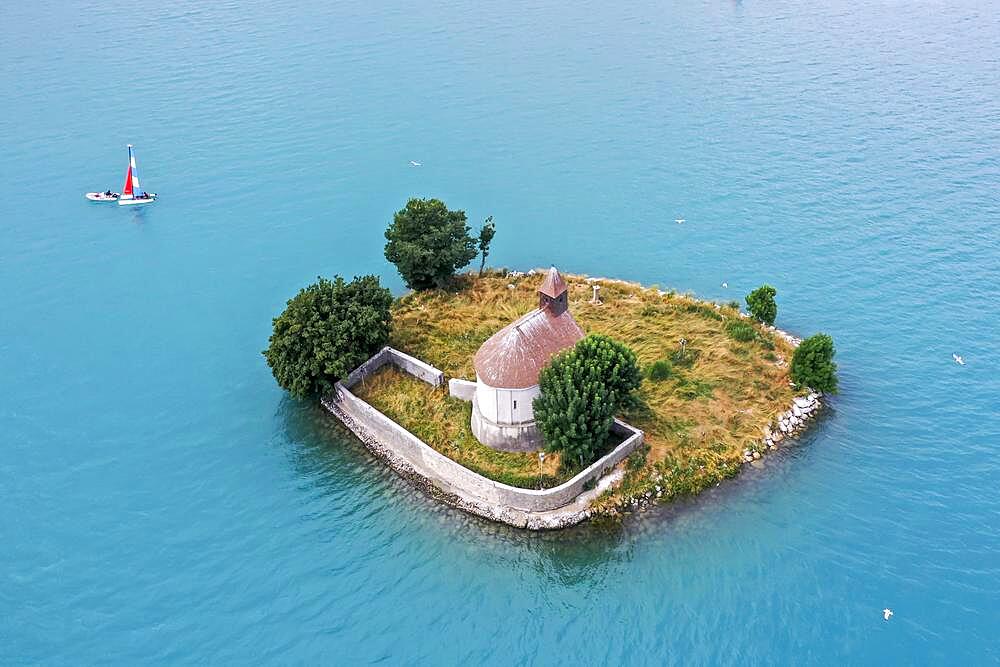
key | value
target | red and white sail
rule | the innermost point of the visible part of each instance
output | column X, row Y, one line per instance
column 132, row 187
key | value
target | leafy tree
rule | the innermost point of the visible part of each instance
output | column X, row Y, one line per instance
column 813, row 365
column 581, row 390
column 485, row 237
column 326, row 330
column 428, row 243
column 761, row 304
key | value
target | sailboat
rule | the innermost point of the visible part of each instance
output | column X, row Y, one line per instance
column 133, row 193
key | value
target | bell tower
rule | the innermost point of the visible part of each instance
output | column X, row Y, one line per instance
column 553, row 293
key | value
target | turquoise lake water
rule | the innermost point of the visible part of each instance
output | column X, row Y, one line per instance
column 164, row 502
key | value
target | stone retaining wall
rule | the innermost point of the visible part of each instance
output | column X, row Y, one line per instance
column 462, row 389
column 406, row 363
column 454, row 483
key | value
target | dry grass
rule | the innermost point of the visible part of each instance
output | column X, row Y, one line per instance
column 745, row 389
column 443, row 423
column 701, row 418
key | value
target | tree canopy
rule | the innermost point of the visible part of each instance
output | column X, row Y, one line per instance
column 326, row 330
column 813, row 365
column 486, row 234
column 581, row 390
column 428, row 243
column 761, row 304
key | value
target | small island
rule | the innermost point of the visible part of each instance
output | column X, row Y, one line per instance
column 542, row 399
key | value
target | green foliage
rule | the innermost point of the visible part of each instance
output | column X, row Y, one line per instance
column 813, row 365
column 684, row 357
column 740, row 331
column 649, row 310
column 704, row 310
column 428, row 243
column 486, row 234
column 636, row 461
column 735, row 305
column 691, row 388
column 326, row 330
column 660, row 370
column 581, row 391
column 761, row 304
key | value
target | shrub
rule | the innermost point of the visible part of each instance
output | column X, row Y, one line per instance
column 761, row 304
column 581, row 390
column 636, row 461
column 660, row 370
column 684, row 357
column 735, row 305
column 813, row 365
column 740, row 331
column 428, row 243
column 326, row 330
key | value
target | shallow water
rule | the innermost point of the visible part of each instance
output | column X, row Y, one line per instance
column 165, row 502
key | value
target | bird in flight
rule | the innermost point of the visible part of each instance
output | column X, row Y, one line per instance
column 958, row 360
column 680, row 221
column 887, row 613
column 725, row 284
column 414, row 163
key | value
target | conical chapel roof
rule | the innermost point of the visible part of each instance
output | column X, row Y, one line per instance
column 513, row 357
column 553, row 285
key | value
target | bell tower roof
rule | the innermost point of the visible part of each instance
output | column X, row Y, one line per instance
column 553, row 285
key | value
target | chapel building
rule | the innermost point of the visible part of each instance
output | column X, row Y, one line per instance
column 507, row 367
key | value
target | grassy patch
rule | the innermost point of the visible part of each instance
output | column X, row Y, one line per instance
column 660, row 370
column 741, row 330
column 720, row 395
column 443, row 423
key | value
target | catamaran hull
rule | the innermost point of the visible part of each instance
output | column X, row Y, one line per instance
column 141, row 200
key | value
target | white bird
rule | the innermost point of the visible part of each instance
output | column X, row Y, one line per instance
column 887, row 613
column 958, row 360
column 680, row 221
column 725, row 284
column 414, row 163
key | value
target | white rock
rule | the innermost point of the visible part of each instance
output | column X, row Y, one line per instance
column 784, row 427
column 802, row 402
column 756, row 455
column 797, row 411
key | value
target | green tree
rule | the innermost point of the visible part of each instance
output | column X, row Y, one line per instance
column 761, row 304
column 326, row 330
column 428, row 243
column 581, row 390
column 813, row 365
column 485, row 237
